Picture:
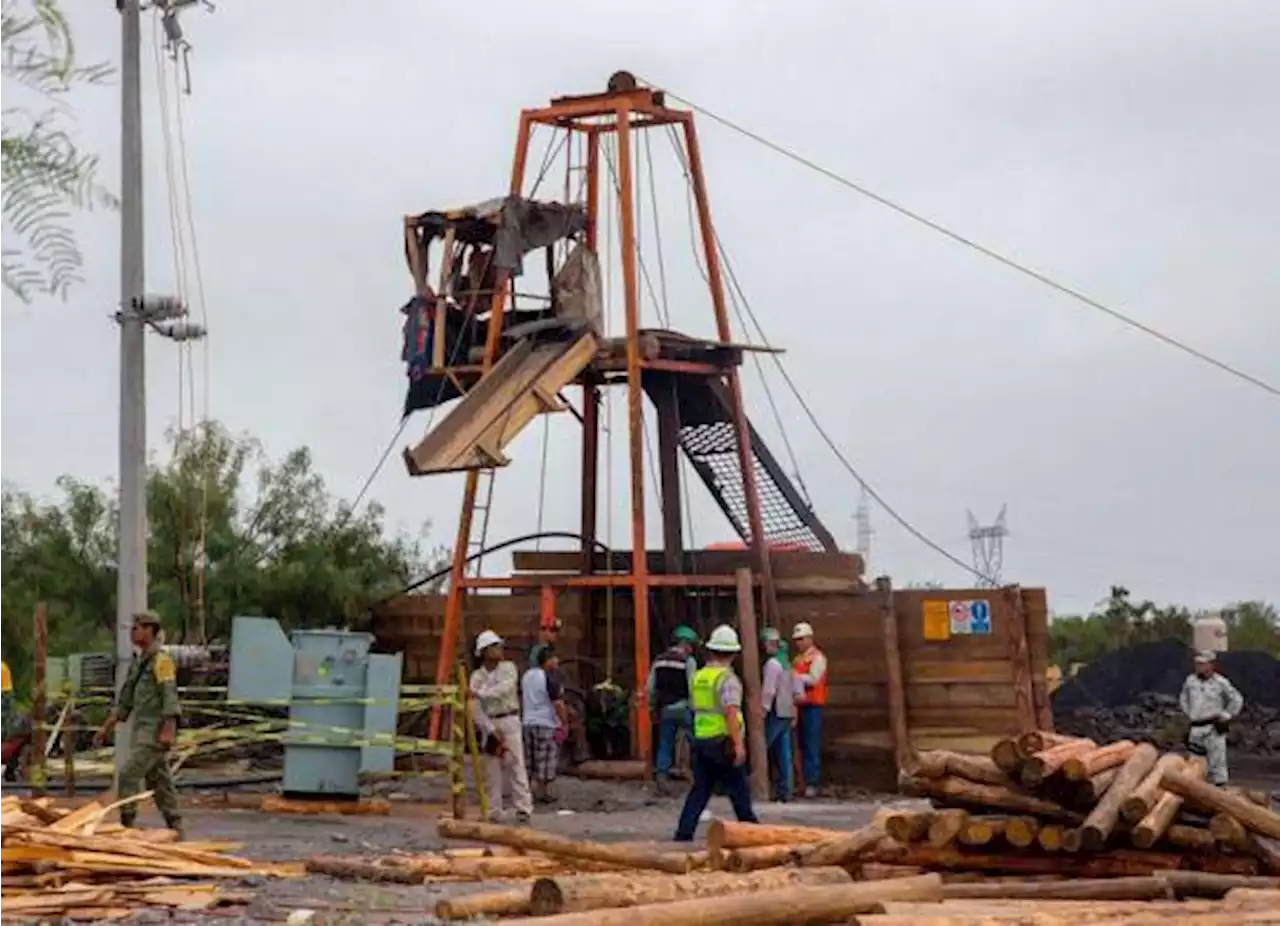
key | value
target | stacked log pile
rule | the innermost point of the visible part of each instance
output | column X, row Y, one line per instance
column 771, row 875
column 62, row 862
column 1054, row 804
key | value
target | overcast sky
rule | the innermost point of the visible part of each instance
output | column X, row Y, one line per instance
column 1130, row 149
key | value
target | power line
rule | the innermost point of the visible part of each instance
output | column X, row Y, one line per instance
column 984, row 250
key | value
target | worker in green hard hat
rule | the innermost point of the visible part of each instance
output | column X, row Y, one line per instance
column 668, row 692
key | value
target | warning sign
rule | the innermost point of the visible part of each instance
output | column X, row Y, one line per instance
column 969, row 617
column 937, row 623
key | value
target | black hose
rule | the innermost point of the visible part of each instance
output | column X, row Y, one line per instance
column 523, row 538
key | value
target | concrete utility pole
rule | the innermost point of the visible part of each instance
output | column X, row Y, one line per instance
column 163, row 314
column 131, row 578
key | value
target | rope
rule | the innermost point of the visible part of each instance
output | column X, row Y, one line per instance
column 988, row 252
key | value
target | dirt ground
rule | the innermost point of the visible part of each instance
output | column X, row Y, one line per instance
column 603, row 811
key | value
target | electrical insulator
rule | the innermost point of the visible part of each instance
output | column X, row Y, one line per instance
column 183, row 331
column 160, row 308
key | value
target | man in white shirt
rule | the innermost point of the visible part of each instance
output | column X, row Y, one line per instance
column 1210, row 702
column 495, row 705
column 777, row 695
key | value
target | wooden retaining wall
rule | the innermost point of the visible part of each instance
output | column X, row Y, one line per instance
column 958, row 690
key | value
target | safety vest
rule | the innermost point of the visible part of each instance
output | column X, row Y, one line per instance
column 800, row 665
column 6, row 682
column 670, row 679
column 709, row 720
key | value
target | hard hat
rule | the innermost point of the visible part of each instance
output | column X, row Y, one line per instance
column 685, row 634
column 1206, row 655
column 770, row 634
column 487, row 639
column 801, row 630
column 724, row 639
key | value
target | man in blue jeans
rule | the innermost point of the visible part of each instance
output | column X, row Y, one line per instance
column 670, row 678
column 719, row 735
column 777, row 695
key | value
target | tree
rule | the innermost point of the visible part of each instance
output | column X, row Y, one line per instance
column 46, row 175
column 230, row 533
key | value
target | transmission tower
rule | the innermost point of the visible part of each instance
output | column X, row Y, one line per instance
column 862, row 517
column 988, row 548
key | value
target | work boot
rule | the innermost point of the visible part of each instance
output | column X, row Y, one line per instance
column 810, row 792
column 175, row 824
column 522, row 819
column 128, row 820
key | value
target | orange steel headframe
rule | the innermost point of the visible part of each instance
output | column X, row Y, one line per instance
column 624, row 109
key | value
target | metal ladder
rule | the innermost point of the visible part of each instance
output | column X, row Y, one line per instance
column 483, row 504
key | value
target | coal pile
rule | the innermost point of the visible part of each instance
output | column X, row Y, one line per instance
column 1133, row 694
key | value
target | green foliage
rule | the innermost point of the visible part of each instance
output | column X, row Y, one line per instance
column 272, row 541
column 1119, row 621
column 46, row 175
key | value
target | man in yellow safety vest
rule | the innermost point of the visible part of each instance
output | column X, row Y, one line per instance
column 719, row 738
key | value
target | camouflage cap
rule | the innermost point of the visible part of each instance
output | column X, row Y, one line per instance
column 148, row 617
column 1206, row 655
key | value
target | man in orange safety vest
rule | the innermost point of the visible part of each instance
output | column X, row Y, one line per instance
column 809, row 669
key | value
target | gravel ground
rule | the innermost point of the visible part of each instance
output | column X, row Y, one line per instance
column 603, row 811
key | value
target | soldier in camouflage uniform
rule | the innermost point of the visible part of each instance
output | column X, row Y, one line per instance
column 150, row 696
column 1210, row 702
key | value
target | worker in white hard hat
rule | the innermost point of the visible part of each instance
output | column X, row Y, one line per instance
column 719, row 735
column 809, row 669
column 495, row 705
column 1210, row 702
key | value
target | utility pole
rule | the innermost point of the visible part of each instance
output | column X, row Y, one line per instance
column 138, row 312
column 131, row 577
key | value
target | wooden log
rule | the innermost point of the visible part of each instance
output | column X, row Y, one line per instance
column 750, row 637
column 1050, row 837
column 631, row 857
column 1205, row 884
column 976, row 768
column 361, row 870
column 845, row 850
column 1047, row 762
column 1072, row 839
column 1257, row 819
column 730, row 834
column 1113, row 864
column 1040, row 740
column 1190, row 837
column 1251, row 896
column 1229, row 831
column 895, row 687
column 1113, row 755
column 953, row 790
column 1100, row 823
column 1007, row 757
column 1139, row 803
column 610, row 769
column 910, row 826
column 981, row 831
column 513, row 902
column 1267, row 852
column 1149, row 887
column 1151, row 828
column 798, row 904
column 1090, row 791
column 946, row 826
column 931, row 763
column 754, row 858
column 1021, row 832
column 874, row 871
column 1224, row 864
column 551, row 896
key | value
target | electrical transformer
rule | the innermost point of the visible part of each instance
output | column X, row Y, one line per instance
column 342, row 701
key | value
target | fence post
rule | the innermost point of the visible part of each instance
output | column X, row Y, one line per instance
column 753, row 714
column 899, row 730
column 36, row 766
